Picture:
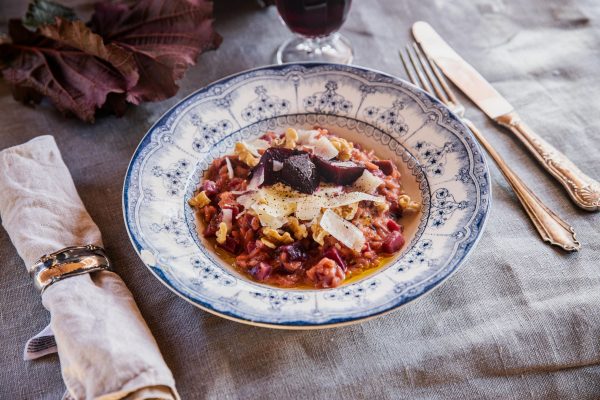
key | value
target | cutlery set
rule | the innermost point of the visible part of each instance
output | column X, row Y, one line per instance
column 428, row 60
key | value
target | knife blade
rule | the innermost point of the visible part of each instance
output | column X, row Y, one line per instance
column 460, row 72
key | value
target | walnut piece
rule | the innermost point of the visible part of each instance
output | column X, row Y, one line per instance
column 343, row 147
column 318, row 233
column 268, row 244
column 222, row 233
column 291, row 137
column 200, row 200
column 407, row 204
column 298, row 229
column 275, row 237
column 348, row 211
column 245, row 154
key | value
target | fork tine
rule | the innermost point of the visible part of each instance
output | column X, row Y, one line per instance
column 424, row 83
column 426, row 66
column 408, row 70
column 442, row 80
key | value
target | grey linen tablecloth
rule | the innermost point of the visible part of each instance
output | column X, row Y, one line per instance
column 519, row 320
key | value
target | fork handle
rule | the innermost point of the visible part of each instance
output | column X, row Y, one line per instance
column 584, row 190
column 550, row 226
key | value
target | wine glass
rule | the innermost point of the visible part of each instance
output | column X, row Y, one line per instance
column 316, row 23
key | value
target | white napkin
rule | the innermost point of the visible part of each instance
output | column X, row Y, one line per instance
column 105, row 348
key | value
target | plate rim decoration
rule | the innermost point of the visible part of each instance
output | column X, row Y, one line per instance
column 442, row 118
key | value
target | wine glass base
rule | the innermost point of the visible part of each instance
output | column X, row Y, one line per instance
column 334, row 48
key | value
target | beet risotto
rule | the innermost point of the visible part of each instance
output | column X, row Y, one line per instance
column 303, row 208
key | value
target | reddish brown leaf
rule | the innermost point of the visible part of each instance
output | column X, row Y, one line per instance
column 165, row 37
column 131, row 53
column 75, row 34
column 74, row 81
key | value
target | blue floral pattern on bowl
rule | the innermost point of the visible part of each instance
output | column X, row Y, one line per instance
column 442, row 166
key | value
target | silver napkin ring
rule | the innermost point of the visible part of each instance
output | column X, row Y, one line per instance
column 70, row 261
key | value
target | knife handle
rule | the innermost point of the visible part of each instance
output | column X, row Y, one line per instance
column 549, row 225
column 584, row 190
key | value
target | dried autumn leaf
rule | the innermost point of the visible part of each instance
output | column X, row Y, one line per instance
column 132, row 53
column 75, row 34
column 74, row 81
column 165, row 37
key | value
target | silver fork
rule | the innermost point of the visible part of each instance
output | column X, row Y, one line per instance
column 423, row 73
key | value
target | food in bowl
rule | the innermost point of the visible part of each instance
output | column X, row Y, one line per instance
column 303, row 208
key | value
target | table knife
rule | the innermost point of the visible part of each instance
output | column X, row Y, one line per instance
column 583, row 190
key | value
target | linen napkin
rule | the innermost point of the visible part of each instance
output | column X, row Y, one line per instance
column 105, row 348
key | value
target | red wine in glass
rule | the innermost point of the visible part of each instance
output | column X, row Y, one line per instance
column 313, row 18
column 316, row 23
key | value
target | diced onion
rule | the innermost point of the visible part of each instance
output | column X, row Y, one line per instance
column 325, row 149
column 228, row 217
column 229, row 168
column 367, row 182
column 344, row 231
column 240, row 214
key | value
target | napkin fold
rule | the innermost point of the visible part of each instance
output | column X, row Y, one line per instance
column 105, row 348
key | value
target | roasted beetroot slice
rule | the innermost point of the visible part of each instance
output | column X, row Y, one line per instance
column 266, row 161
column 281, row 154
column 338, row 172
column 393, row 225
column 393, row 242
column 300, row 173
column 385, row 166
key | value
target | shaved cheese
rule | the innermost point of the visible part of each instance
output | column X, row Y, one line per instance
column 248, row 199
column 344, row 231
column 307, row 210
column 307, row 136
column 325, row 149
column 274, row 204
column 367, row 182
column 323, row 190
column 270, row 216
column 309, row 207
column 352, row 197
column 229, row 168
